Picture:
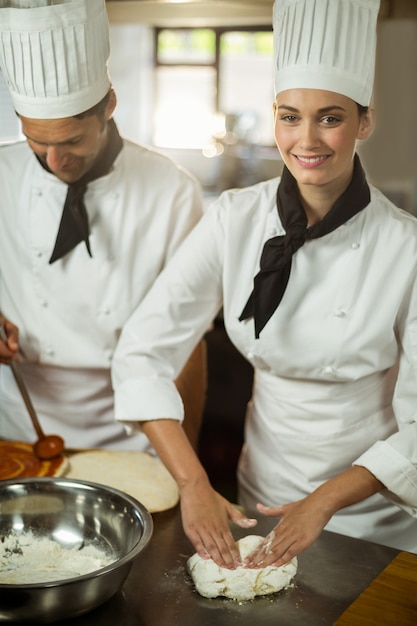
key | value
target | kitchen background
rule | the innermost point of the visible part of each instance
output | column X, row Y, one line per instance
column 194, row 79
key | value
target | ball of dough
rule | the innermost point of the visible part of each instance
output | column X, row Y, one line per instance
column 241, row 583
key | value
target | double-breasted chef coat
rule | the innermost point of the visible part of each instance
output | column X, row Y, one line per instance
column 335, row 367
column 70, row 313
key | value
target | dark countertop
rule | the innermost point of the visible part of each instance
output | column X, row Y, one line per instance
column 158, row 591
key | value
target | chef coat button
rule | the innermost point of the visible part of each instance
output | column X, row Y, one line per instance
column 50, row 352
column 44, row 304
column 355, row 246
column 250, row 355
column 340, row 313
column 329, row 369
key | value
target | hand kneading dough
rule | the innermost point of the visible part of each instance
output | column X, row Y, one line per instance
column 241, row 583
column 136, row 473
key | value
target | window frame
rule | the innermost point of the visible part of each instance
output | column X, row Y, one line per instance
column 218, row 31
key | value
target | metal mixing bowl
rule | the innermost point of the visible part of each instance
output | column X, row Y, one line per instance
column 74, row 513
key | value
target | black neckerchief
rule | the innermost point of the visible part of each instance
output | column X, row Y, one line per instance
column 275, row 265
column 74, row 226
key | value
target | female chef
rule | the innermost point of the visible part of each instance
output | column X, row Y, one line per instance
column 317, row 276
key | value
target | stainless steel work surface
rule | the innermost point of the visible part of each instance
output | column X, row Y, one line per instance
column 159, row 592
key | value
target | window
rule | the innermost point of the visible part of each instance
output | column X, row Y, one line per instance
column 211, row 83
column 246, row 83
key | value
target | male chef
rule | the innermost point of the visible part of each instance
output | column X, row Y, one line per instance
column 87, row 221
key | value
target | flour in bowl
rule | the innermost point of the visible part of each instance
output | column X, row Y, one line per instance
column 27, row 559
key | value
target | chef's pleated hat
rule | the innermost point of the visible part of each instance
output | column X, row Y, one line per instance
column 53, row 55
column 326, row 44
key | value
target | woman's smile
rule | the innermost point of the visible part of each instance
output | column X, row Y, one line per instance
column 310, row 161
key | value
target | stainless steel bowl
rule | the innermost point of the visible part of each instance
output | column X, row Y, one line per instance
column 73, row 513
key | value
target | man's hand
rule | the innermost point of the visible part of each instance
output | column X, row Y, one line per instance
column 9, row 338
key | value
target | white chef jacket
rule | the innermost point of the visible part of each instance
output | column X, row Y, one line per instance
column 326, row 392
column 70, row 313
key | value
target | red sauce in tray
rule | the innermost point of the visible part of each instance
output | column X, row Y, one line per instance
column 18, row 460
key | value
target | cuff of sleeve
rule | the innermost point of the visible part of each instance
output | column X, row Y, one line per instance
column 397, row 474
column 147, row 399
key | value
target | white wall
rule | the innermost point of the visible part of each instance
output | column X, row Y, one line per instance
column 131, row 71
column 390, row 154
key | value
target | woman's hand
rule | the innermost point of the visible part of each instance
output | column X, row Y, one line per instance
column 299, row 526
column 205, row 515
column 9, row 348
column 301, row 522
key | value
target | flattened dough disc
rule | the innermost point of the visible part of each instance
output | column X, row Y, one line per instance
column 138, row 474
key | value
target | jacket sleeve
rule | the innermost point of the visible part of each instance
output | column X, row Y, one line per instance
column 394, row 461
column 160, row 336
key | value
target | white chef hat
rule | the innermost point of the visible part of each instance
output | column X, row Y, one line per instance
column 53, row 55
column 326, row 44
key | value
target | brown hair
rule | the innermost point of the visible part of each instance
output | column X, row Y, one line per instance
column 363, row 110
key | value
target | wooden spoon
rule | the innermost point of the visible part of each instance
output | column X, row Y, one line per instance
column 47, row 446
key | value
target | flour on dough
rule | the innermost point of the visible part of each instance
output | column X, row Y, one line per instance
column 242, row 583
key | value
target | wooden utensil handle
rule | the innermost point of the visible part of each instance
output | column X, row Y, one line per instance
column 23, row 390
